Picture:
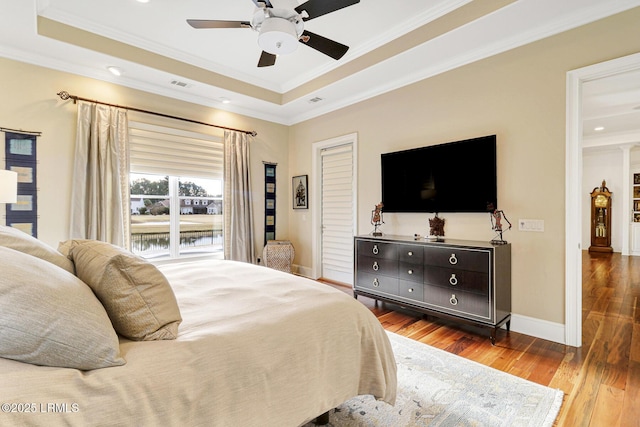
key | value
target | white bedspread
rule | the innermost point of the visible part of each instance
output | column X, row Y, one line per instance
column 257, row 347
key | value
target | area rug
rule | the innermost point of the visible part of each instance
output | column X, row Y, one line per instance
column 438, row 389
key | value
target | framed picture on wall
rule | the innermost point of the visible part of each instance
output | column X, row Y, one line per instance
column 300, row 188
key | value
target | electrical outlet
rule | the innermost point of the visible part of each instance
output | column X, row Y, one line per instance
column 531, row 225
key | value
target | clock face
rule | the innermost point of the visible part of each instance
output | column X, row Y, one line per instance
column 600, row 201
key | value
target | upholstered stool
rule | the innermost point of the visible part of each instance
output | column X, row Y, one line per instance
column 278, row 254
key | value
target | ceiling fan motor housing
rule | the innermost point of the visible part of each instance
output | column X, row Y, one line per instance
column 279, row 30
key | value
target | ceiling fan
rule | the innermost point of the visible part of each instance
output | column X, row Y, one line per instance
column 280, row 30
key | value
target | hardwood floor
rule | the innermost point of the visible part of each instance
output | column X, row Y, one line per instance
column 600, row 380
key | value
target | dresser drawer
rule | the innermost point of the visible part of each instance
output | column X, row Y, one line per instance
column 384, row 266
column 464, row 259
column 377, row 283
column 377, row 249
column 411, row 272
column 410, row 290
column 413, row 254
column 452, row 278
column 457, row 302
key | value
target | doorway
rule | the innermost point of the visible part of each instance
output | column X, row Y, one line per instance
column 334, row 218
column 574, row 190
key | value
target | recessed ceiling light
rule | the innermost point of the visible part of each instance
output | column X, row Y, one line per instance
column 599, row 128
column 143, row 1
column 115, row 70
column 225, row 100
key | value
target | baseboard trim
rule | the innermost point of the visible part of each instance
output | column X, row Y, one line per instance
column 538, row 328
column 301, row 270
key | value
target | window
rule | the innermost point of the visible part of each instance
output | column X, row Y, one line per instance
column 176, row 192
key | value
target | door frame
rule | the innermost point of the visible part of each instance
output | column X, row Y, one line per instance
column 316, row 193
column 573, row 187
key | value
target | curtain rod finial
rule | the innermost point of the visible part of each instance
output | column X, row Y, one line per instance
column 63, row 95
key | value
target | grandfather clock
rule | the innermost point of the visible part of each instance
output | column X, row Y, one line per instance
column 601, row 219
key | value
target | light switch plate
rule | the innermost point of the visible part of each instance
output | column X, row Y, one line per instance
column 531, row 225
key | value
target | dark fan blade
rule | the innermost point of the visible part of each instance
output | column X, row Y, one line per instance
column 317, row 8
column 209, row 23
column 266, row 59
column 267, row 3
column 322, row 44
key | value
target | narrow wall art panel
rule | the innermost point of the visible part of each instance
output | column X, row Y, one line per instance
column 21, row 157
column 269, row 202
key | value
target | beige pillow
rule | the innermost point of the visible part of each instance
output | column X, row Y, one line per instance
column 49, row 317
column 136, row 295
column 20, row 241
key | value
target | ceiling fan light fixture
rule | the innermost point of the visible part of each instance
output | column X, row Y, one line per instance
column 278, row 36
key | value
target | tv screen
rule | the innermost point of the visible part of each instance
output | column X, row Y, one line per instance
column 454, row 177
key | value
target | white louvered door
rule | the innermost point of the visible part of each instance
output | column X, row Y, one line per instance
column 337, row 213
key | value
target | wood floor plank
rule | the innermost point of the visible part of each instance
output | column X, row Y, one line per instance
column 590, row 328
column 580, row 404
column 628, row 305
column 608, row 397
column 540, row 362
column 619, row 345
column 631, row 409
column 568, row 371
column 634, row 349
column 602, row 300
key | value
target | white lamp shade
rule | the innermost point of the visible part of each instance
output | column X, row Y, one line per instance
column 278, row 36
column 8, row 186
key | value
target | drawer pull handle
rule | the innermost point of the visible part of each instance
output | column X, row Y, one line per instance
column 410, row 289
column 410, row 253
column 453, row 260
column 376, row 283
column 410, row 271
column 453, row 280
column 375, row 250
column 375, row 266
column 453, row 300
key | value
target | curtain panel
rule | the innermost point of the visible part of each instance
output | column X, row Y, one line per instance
column 238, row 215
column 100, row 194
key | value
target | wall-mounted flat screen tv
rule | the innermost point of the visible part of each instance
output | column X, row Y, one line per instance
column 453, row 177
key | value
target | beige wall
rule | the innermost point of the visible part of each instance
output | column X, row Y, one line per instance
column 518, row 95
column 29, row 102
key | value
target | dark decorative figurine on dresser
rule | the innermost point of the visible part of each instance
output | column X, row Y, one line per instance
column 436, row 227
column 377, row 219
column 496, row 224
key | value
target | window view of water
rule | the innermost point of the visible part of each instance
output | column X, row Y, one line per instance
column 150, row 235
column 190, row 241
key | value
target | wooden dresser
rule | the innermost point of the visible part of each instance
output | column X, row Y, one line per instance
column 467, row 281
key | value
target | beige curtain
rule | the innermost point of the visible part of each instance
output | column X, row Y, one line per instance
column 100, row 194
column 238, row 216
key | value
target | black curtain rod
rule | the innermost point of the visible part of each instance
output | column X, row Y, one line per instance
column 26, row 132
column 65, row 95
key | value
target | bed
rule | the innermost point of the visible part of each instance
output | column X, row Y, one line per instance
column 244, row 345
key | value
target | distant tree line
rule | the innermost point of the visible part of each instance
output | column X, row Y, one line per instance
column 143, row 186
